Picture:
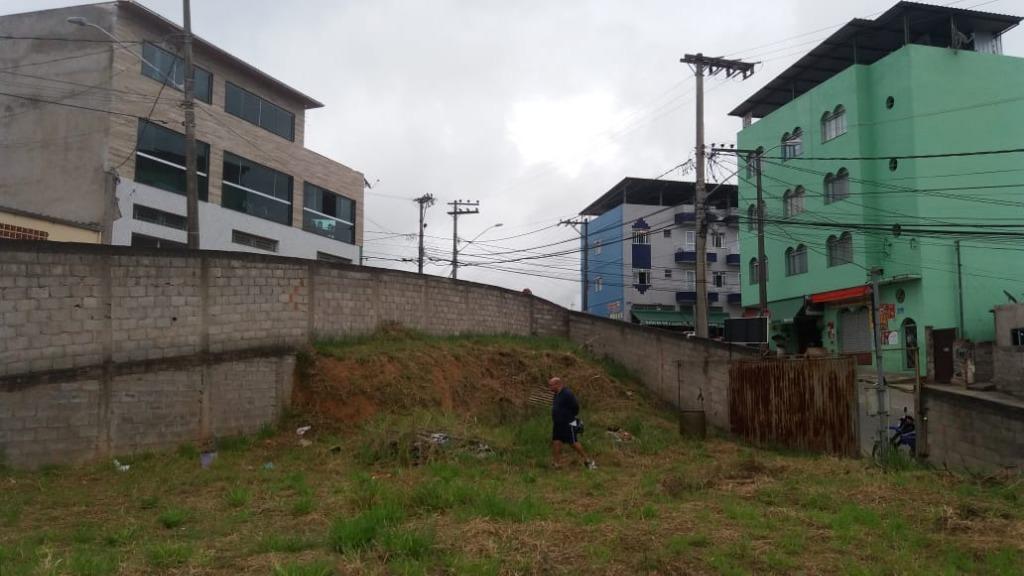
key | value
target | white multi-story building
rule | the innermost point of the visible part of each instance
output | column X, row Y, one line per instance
column 640, row 265
column 92, row 142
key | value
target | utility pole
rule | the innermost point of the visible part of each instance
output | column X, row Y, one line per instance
column 458, row 210
column 191, row 178
column 712, row 66
column 880, row 387
column 585, row 237
column 425, row 201
column 762, row 269
column 959, row 288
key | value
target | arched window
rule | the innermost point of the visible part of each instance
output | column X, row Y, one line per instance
column 837, row 186
column 833, row 123
column 796, row 260
column 840, row 250
column 793, row 201
column 792, row 144
column 909, row 329
column 753, row 270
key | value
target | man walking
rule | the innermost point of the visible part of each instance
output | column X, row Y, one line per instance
column 564, row 412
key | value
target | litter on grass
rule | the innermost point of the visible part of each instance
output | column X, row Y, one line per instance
column 121, row 467
column 301, row 430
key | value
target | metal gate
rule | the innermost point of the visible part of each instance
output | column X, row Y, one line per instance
column 808, row 404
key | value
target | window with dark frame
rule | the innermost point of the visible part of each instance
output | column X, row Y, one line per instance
column 256, row 190
column 796, row 260
column 837, row 186
column 170, row 69
column 159, row 217
column 253, row 241
column 259, row 111
column 667, row 233
column 160, row 159
column 1017, row 337
column 328, row 214
column 839, row 249
column 331, row 258
column 145, row 241
column 643, row 277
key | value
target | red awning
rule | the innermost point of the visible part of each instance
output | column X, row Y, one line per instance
column 841, row 295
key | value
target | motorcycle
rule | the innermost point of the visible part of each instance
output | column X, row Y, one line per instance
column 903, row 434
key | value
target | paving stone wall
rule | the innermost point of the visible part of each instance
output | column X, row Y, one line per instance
column 974, row 430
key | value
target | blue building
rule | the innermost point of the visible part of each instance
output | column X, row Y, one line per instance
column 642, row 254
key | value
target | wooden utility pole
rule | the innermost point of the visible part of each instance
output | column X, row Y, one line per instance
column 458, row 210
column 425, row 201
column 711, row 66
column 585, row 237
column 880, row 386
column 191, row 177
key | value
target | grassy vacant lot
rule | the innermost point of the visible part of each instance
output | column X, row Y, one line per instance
column 370, row 496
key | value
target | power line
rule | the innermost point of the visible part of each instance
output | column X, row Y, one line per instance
column 57, row 103
column 60, row 39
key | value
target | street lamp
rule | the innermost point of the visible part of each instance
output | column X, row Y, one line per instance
column 191, row 176
column 467, row 242
column 79, row 21
column 486, row 230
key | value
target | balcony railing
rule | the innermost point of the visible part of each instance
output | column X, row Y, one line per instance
column 690, row 296
column 686, row 217
column 687, row 256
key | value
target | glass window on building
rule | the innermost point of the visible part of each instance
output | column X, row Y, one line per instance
column 796, row 260
column 165, row 67
column 839, row 249
column 792, row 144
column 833, row 124
column 328, row 214
column 837, row 186
column 160, row 159
column 642, row 276
column 256, row 190
column 259, row 111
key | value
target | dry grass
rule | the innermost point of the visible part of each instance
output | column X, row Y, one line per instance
column 656, row 505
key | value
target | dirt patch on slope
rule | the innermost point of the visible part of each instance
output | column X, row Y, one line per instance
column 469, row 378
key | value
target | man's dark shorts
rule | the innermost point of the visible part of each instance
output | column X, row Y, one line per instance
column 563, row 433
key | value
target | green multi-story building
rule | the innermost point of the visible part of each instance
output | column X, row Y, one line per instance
column 861, row 168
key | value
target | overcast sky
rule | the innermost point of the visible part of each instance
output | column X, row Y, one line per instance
column 532, row 107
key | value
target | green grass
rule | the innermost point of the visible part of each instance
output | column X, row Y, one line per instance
column 163, row 555
column 237, row 497
column 317, row 568
column 172, row 517
column 660, row 504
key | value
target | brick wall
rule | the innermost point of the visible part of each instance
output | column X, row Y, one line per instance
column 974, row 430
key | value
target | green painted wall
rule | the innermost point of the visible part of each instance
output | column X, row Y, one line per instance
column 944, row 101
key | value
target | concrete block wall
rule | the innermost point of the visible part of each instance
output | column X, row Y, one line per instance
column 88, row 334
column 688, row 373
column 148, row 407
column 1008, row 369
column 973, row 430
